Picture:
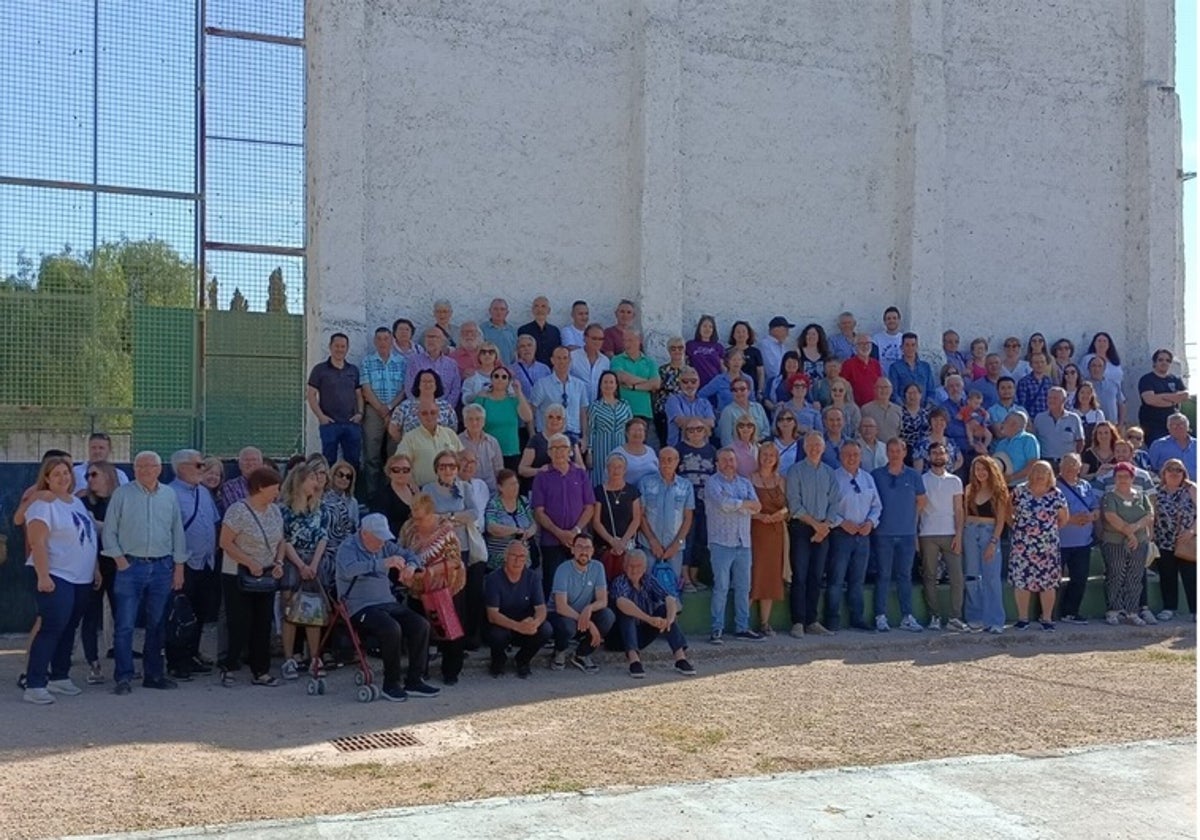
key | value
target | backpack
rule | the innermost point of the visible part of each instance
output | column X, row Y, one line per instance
column 182, row 628
column 665, row 575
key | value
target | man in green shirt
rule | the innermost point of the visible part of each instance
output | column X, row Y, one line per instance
column 638, row 375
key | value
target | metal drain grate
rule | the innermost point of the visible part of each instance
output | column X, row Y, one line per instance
column 376, row 741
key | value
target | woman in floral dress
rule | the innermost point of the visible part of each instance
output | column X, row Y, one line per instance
column 306, row 531
column 607, row 416
column 1039, row 509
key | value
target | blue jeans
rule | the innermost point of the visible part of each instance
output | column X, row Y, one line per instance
column 147, row 581
column 636, row 635
column 808, row 561
column 982, row 582
column 731, row 566
column 567, row 628
column 349, row 435
column 894, row 558
column 60, row 612
column 847, row 569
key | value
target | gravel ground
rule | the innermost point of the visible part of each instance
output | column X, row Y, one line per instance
column 205, row 754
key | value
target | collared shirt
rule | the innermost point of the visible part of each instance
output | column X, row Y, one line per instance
column 728, row 519
column 588, row 371
column 840, row 346
column 998, row 412
column 547, row 337
column 959, row 360
column 1081, row 498
column 772, row 355
column 362, row 577
column 337, row 389
column 422, row 447
column 727, row 424
column 386, row 377
column 678, row 405
column 888, row 418
column 233, row 490
column 898, row 494
column 1021, row 448
column 640, row 402
column 572, row 337
column 529, row 375
column 201, row 521
column 648, row 596
column 467, row 359
column 614, row 341
column 814, row 491
column 991, row 396
column 873, row 456
column 446, row 369
column 144, row 523
column 1032, row 393
column 902, row 374
column 663, row 505
column 1057, row 437
column 859, row 499
column 833, row 451
column 504, row 337
column 572, row 395
column 562, row 497
column 862, row 377
column 1167, row 447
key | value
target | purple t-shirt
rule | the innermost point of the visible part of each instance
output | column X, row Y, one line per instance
column 705, row 357
column 563, row 497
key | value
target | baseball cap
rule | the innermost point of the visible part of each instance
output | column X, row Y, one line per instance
column 780, row 321
column 376, row 525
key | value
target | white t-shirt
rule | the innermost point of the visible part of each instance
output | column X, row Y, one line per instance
column 937, row 520
column 71, row 543
column 889, row 348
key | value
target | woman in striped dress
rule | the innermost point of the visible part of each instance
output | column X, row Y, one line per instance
column 607, row 416
column 1128, row 524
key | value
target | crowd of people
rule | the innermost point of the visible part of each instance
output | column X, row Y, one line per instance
column 520, row 488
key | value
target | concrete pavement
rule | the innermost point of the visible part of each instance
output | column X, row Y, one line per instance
column 1143, row 789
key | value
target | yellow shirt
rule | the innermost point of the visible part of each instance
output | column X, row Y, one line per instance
column 422, row 447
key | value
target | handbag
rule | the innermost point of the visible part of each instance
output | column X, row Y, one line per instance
column 1152, row 553
column 265, row 582
column 308, row 606
column 443, row 617
column 1185, row 543
column 614, row 564
column 476, row 546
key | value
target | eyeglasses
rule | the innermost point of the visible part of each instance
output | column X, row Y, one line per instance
column 558, row 446
column 745, row 425
column 787, row 419
column 502, row 376
column 1174, row 469
column 687, row 379
column 399, row 470
column 343, row 474
column 447, row 466
column 675, row 347
column 695, row 429
column 92, row 474
column 565, row 399
column 740, row 390
column 1012, row 344
column 487, row 352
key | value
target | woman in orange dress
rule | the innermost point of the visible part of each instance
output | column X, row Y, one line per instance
column 768, row 536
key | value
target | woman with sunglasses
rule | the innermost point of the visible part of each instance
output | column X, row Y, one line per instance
column 536, row 455
column 1012, row 363
column 787, row 441
column 1069, row 378
column 507, row 408
column 1061, row 355
column 433, row 538
column 101, row 482
column 394, row 500
column 487, row 357
column 341, row 511
column 1175, row 519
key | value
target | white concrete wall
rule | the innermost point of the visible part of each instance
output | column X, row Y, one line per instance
column 1000, row 167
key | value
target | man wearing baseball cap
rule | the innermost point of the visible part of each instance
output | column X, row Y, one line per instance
column 363, row 563
column 775, row 345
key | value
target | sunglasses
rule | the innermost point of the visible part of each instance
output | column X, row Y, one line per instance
column 92, row 474
column 503, row 376
column 695, row 429
column 343, row 474
column 447, row 466
column 399, row 470
column 487, row 352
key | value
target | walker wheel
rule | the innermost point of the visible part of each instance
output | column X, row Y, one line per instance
column 364, row 694
column 311, row 689
column 321, row 686
column 359, row 678
column 376, row 691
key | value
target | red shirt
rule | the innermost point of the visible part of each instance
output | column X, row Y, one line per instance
column 467, row 360
column 862, row 377
column 614, row 341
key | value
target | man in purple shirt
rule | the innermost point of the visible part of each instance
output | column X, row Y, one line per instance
column 435, row 358
column 562, row 505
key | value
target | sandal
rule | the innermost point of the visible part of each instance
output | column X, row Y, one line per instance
column 228, row 680
column 767, row 630
column 265, row 680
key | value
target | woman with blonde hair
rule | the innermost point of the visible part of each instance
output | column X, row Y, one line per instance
column 987, row 506
column 306, row 533
column 432, row 538
column 341, row 512
column 1099, row 458
column 1039, row 510
column 767, row 536
column 213, row 473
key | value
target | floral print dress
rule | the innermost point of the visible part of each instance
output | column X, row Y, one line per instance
column 1035, row 563
column 1173, row 511
column 304, row 531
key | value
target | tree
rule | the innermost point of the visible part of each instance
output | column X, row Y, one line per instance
column 212, row 294
column 238, row 302
column 277, row 292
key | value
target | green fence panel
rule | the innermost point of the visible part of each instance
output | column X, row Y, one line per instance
column 253, row 382
column 164, row 379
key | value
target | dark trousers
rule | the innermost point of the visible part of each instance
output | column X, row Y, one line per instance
column 250, row 616
column 203, row 589
column 93, row 618
column 474, row 614
column 637, row 635
column 60, row 612
column 395, row 625
column 346, row 435
column 1170, row 571
column 235, row 621
column 1076, row 560
column 499, row 638
column 553, row 556
column 808, row 565
column 451, row 650
column 565, row 629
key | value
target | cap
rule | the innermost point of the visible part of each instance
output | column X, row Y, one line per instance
column 1123, row 466
column 376, row 525
column 780, row 321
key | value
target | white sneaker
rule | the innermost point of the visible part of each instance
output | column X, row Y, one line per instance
column 910, row 624
column 1112, row 617
column 935, row 623
column 1147, row 616
column 64, row 687
column 1165, row 615
column 881, row 624
column 958, row 624
column 289, row 670
column 40, row 696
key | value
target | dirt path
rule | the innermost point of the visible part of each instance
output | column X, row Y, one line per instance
column 209, row 755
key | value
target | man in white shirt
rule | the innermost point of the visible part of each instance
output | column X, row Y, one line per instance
column 890, row 339
column 587, row 362
column 99, row 449
column 775, row 345
column 939, row 535
column 572, row 333
column 560, row 388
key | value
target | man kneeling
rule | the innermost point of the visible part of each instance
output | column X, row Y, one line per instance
column 580, row 607
column 516, row 611
column 644, row 612
column 363, row 563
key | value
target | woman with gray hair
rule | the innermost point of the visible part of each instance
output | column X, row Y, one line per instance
column 485, row 447
column 1076, row 537
column 617, row 515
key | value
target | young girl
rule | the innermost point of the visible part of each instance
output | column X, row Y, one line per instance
column 975, row 417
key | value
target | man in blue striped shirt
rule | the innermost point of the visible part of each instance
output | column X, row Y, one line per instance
column 383, row 388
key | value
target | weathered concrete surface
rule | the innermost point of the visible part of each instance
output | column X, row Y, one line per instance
column 1134, row 790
